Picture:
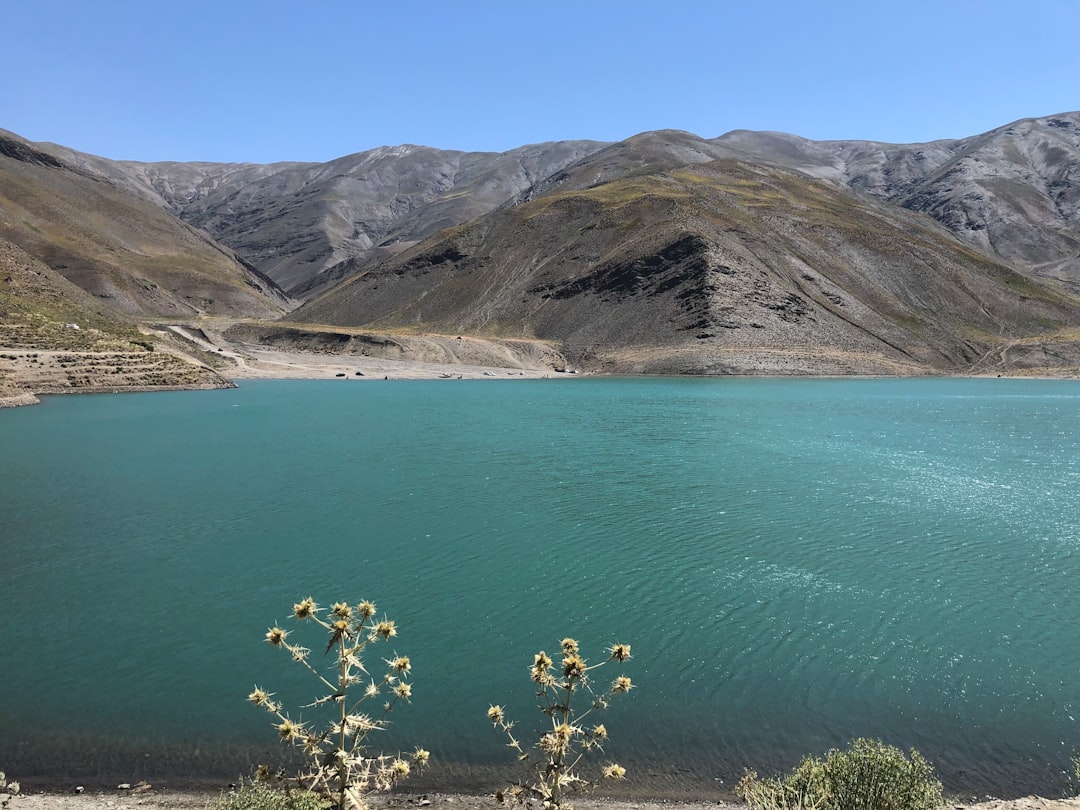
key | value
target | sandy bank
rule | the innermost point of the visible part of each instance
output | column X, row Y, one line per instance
column 16, row 399
column 285, row 365
column 156, row 799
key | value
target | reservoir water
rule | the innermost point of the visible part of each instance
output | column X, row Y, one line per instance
column 795, row 563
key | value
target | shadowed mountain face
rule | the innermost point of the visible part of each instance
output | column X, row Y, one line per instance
column 714, row 267
column 119, row 247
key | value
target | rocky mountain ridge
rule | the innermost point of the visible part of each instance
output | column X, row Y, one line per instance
column 1013, row 192
column 715, row 268
column 754, row 251
column 296, row 220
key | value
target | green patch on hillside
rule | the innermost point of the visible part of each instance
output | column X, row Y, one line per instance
column 39, row 309
column 615, row 194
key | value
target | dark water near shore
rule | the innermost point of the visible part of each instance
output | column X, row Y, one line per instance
column 796, row 563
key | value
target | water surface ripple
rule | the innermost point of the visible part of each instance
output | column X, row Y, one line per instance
column 795, row 563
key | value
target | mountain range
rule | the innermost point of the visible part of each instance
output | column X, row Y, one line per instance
column 753, row 252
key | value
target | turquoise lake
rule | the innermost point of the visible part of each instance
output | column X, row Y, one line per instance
column 795, row 563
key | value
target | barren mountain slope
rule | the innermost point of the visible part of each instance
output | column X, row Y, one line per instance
column 134, row 255
column 1013, row 192
column 295, row 220
column 717, row 268
column 56, row 337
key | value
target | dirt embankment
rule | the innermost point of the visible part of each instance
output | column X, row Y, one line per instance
column 210, row 354
column 443, row 350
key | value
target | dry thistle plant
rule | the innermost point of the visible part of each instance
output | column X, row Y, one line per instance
column 341, row 769
column 8, row 790
column 559, row 751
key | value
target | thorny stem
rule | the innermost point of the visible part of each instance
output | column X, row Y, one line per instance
column 342, row 765
column 564, row 709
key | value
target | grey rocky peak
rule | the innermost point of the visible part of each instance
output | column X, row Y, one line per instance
column 1013, row 192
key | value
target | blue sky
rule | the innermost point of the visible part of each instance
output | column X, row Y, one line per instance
column 233, row 80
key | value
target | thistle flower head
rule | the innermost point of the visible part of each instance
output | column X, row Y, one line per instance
column 399, row 769
column 305, row 608
column 420, row 756
column 573, row 666
column 275, row 635
column 540, row 667
column 366, row 609
column 620, row 652
column 495, row 714
column 403, row 690
column 385, row 629
column 569, row 646
column 312, row 743
column 260, row 697
column 10, row 788
column 614, row 771
column 599, row 732
column 341, row 610
column 621, row 684
column 289, row 731
column 400, row 664
column 550, row 743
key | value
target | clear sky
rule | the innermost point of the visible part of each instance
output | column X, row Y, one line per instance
column 261, row 81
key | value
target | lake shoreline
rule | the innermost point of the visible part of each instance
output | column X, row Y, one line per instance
column 250, row 362
column 165, row 799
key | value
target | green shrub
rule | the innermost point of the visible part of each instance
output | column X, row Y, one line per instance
column 868, row 776
column 1072, row 778
column 261, row 796
column 564, row 743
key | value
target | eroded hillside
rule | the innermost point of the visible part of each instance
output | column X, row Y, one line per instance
column 722, row 267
